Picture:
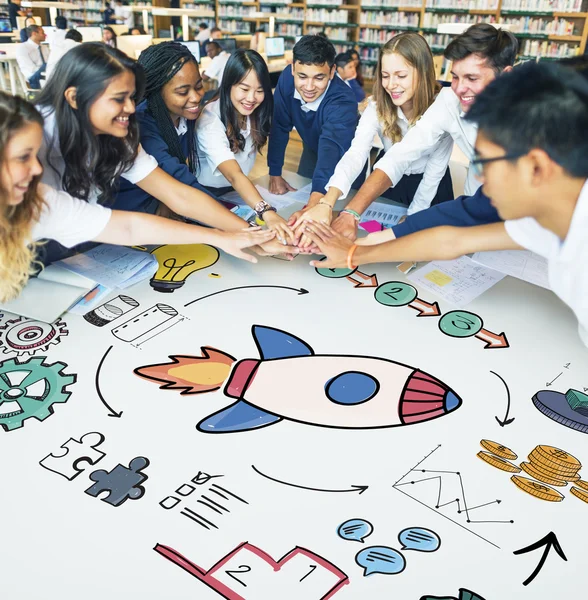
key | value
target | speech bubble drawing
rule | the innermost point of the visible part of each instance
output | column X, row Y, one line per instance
column 380, row 559
column 355, row 530
column 419, row 539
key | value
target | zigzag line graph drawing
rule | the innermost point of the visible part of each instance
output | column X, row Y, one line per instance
column 441, row 477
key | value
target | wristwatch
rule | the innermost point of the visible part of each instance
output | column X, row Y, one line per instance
column 262, row 207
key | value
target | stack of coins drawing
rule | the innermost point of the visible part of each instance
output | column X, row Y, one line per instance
column 547, row 464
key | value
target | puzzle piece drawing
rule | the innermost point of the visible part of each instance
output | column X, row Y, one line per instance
column 69, row 464
column 122, row 482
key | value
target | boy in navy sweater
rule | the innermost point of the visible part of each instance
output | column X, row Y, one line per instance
column 323, row 110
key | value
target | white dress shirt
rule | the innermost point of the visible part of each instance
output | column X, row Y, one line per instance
column 217, row 65
column 214, row 148
column 567, row 260
column 203, row 36
column 28, row 57
column 57, row 51
column 432, row 163
column 56, row 38
column 442, row 117
column 68, row 220
column 54, row 166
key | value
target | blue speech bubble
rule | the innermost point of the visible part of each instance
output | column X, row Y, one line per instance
column 380, row 559
column 419, row 539
column 355, row 530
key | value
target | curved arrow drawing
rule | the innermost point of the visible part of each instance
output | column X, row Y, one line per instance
column 506, row 420
column 301, row 291
column 354, row 488
column 111, row 412
column 549, row 541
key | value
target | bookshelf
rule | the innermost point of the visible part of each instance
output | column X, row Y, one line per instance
column 547, row 29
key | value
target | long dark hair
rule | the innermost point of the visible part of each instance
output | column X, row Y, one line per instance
column 161, row 63
column 237, row 68
column 114, row 36
column 90, row 160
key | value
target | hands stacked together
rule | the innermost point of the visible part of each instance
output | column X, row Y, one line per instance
column 295, row 231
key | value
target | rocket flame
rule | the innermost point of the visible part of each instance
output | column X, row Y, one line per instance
column 191, row 374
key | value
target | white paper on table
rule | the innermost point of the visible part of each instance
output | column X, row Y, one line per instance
column 386, row 214
column 44, row 300
column 522, row 264
column 112, row 266
column 286, row 200
column 458, row 281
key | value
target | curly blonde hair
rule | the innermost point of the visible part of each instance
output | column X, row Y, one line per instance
column 416, row 52
column 17, row 254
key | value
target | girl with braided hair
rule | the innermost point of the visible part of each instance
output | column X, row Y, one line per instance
column 233, row 127
column 167, row 116
column 91, row 138
column 30, row 210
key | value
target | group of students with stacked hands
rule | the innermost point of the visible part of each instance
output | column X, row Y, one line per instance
column 123, row 152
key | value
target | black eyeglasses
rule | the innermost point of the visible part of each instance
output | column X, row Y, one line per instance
column 478, row 163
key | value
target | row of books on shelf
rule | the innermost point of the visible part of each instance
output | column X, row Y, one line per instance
column 433, row 20
column 538, row 26
column 543, row 5
column 335, row 34
column 548, row 49
column 404, row 19
column 288, row 30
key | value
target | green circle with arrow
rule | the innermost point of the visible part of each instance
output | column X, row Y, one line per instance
column 460, row 324
column 395, row 293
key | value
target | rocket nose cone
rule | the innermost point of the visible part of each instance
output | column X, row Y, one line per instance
column 452, row 401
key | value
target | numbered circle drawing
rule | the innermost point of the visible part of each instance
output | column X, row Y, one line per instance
column 460, row 324
column 334, row 273
column 395, row 293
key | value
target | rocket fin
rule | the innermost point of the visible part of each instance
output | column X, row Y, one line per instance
column 240, row 416
column 275, row 343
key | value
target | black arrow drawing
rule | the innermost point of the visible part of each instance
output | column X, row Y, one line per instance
column 301, row 291
column 549, row 541
column 550, row 383
column 111, row 412
column 354, row 488
column 506, row 420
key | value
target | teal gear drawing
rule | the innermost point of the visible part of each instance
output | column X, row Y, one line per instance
column 30, row 389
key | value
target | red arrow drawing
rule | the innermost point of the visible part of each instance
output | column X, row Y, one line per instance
column 492, row 340
column 372, row 279
column 425, row 309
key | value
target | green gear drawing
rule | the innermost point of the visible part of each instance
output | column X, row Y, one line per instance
column 30, row 389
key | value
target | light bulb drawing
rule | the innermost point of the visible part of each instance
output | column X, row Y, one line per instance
column 176, row 263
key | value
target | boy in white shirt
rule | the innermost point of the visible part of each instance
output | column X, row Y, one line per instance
column 532, row 158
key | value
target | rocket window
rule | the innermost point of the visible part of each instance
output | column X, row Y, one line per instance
column 351, row 388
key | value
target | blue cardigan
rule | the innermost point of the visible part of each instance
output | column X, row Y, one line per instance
column 327, row 131
column 465, row 211
column 132, row 197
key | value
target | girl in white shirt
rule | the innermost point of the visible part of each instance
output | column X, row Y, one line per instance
column 404, row 89
column 233, row 127
column 30, row 211
column 91, row 137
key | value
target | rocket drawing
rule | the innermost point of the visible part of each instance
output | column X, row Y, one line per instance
column 290, row 381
